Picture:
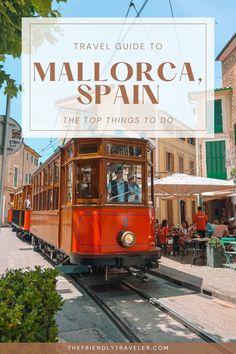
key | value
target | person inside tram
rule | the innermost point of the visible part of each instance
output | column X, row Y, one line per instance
column 134, row 195
column 118, row 189
column 85, row 184
column 27, row 203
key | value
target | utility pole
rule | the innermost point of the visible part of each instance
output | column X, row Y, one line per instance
column 4, row 155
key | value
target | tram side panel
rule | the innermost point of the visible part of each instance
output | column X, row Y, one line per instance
column 66, row 225
column 26, row 224
column 9, row 219
column 96, row 231
column 45, row 226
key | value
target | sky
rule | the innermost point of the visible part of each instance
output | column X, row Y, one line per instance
column 222, row 11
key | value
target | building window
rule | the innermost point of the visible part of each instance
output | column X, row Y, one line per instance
column 192, row 141
column 26, row 178
column 15, row 176
column 169, row 162
column 36, row 161
column 27, row 156
column 32, row 159
column 191, row 167
column 218, row 117
column 181, row 164
column 30, row 177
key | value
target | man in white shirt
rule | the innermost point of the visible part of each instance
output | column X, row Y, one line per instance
column 118, row 189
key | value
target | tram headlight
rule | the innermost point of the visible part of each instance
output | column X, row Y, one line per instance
column 126, row 238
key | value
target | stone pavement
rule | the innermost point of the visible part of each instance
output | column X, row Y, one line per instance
column 218, row 282
column 80, row 320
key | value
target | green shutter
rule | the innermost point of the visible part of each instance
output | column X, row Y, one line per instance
column 215, row 160
column 218, row 117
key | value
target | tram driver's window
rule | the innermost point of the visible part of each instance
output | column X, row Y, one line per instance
column 124, row 183
column 86, row 182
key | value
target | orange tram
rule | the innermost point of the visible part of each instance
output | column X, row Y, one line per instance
column 19, row 214
column 93, row 204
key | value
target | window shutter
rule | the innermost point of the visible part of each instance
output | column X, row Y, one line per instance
column 215, row 160
column 218, row 117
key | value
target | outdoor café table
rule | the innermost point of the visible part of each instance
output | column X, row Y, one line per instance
column 199, row 249
column 185, row 242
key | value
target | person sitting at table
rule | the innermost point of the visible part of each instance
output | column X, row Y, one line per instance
column 186, row 233
column 220, row 229
column 163, row 233
column 185, row 227
column 210, row 228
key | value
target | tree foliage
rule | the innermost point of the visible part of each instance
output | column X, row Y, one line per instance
column 11, row 13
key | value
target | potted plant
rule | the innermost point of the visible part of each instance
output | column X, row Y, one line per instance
column 214, row 253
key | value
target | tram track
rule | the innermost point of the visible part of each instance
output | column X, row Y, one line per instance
column 156, row 303
column 130, row 334
column 120, row 324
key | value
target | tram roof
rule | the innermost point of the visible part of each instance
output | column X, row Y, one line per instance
column 60, row 148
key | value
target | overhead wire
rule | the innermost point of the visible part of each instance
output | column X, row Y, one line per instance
column 171, row 9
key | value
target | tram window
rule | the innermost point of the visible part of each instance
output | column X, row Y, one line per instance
column 36, row 203
column 41, row 201
column 150, row 197
column 42, row 180
column 69, row 184
column 45, row 178
column 86, row 181
column 56, row 171
column 44, row 200
column 127, row 150
column 149, row 155
column 88, row 148
column 49, row 199
column 124, row 183
column 20, row 202
column 70, row 152
column 55, row 198
column 50, row 174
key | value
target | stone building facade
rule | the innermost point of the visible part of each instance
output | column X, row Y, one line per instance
column 18, row 171
column 227, row 57
column 176, row 155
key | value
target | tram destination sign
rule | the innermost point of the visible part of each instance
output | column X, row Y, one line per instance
column 14, row 140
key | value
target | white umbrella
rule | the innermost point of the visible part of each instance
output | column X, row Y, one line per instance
column 180, row 185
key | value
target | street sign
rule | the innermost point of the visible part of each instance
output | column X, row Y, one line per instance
column 14, row 135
